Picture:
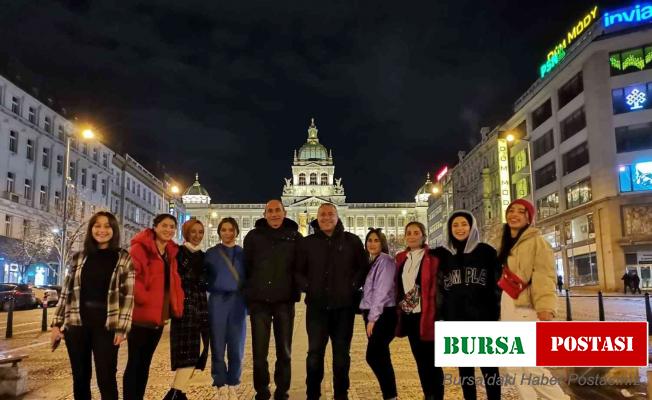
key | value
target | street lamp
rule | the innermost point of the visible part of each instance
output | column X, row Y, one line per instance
column 87, row 134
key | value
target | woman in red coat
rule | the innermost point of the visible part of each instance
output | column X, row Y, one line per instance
column 157, row 296
column 416, row 283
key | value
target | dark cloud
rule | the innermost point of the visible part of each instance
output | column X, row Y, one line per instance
column 227, row 88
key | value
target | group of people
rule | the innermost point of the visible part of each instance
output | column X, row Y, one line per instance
column 631, row 281
column 111, row 295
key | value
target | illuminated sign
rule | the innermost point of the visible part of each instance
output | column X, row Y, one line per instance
column 557, row 54
column 442, row 173
column 631, row 15
column 503, row 168
column 636, row 178
column 635, row 99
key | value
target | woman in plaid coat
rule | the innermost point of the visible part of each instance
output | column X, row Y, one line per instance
column 187, row 332
column 95, row 307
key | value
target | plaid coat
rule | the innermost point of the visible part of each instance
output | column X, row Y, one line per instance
column 120, row 299
column 186, row 332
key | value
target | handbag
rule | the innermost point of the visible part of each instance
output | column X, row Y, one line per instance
column 412, row 298
column 511, row 283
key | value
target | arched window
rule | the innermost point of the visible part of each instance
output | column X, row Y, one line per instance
column 302, row 179
column 324, row 179
column 313, row 178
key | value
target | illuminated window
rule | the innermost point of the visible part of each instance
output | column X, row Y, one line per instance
column 360, row 222
column 631, row 60
column 635, row 178
column 313, row 178
column 324, row 179
column 548, row 206
column 578, row 194
column 302, row 179
column 381, row 222
column 632, row 98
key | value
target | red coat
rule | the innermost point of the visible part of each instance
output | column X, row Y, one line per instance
column 150, row 279
column 429, row 266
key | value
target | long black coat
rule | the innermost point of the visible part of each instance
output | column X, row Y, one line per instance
column 187, row 332
column 270, row 257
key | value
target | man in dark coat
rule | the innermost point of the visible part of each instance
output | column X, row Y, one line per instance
column 635, row 282
column 627, row 280
column 332, row 265
column 269, row 258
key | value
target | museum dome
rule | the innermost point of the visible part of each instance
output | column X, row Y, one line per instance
column 313, row 150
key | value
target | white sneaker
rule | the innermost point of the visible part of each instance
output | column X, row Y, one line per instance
column 233, row 395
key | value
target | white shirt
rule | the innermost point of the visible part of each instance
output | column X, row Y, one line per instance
column 410, row 272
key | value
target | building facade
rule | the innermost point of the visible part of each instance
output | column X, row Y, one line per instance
column 440, row 207
column 137, row 196
column 313, row 183
column 32, row 151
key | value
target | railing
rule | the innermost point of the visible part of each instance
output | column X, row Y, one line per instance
column 601, row 314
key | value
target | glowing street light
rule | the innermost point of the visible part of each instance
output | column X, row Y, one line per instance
column 174, row 189
column 435, row 190
column 88, row 134
column 510, row 138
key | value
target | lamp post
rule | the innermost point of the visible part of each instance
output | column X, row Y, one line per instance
column 86, row 134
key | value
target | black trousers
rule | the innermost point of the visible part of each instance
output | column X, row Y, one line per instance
column 431, row 377
column 263, row 317
column 378, row 355
column 322, row 324
column 92, row 338
column 142, row 342
column 491, row 378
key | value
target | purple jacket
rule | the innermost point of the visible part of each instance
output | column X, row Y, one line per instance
column 379, row 287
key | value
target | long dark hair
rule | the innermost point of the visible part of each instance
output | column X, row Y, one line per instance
column 507, row 242
column 384, row 247
column 90, row 244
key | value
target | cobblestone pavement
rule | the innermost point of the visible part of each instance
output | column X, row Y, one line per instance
column 49, row 372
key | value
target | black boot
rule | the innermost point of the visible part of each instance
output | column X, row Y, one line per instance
column 175, row 394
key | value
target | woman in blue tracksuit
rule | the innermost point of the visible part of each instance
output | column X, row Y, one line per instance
column 226, row 308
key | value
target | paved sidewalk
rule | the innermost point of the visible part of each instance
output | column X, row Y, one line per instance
column 50, row 379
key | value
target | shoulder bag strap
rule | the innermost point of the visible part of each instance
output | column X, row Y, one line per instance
column 230, row 265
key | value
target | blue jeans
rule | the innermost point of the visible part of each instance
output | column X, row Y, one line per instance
column 227, row 314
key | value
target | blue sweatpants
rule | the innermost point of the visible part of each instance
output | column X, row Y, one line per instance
column 227, row 314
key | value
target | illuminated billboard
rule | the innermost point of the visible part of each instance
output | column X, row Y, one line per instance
column 636, row 177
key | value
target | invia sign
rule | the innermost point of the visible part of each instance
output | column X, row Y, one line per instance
column 557, row 54
column 628, row 16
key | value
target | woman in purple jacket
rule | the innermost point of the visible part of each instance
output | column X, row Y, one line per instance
column 378, row 307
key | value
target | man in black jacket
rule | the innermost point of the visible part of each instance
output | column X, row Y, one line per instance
column 269, row 258
column 331, row 266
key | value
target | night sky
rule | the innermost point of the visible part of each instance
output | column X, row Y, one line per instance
column 227, row 88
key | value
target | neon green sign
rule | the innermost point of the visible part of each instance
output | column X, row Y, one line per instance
column 557, row 54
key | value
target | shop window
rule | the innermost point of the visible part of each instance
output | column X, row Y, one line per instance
column 578, row 194
column 548, row 206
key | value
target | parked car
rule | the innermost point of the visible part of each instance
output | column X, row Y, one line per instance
column 23, row 296
column 43, row 293
column 53, row 287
